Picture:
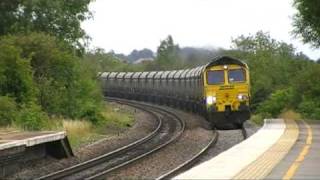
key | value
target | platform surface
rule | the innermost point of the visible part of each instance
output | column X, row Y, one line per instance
column 230, row 163
column 14, row 138
column 303, row 161
column 282, row 149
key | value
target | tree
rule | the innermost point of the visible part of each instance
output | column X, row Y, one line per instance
column 60, row 18
column 167, row 54
column 15, row 74
column 42, row 64
column 273, row 64
column 307, row 21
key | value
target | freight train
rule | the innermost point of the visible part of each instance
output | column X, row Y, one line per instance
column 219, row 90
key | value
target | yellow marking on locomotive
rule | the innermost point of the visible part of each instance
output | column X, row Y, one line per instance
column 226, row 93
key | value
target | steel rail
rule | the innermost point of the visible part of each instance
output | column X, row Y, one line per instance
column 95, row 161
column 192, row 160
column 155, row 108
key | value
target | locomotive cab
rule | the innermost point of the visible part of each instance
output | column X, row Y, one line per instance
column 227, row 93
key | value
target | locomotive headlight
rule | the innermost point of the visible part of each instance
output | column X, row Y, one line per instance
column 242, row 97
column 211, row 100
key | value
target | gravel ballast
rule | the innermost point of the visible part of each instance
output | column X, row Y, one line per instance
column 196, row 136
column 229, row 138
column 144, row 124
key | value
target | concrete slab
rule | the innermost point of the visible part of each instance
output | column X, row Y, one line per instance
column 19, row 148
column 229, row 163
column 13, row 139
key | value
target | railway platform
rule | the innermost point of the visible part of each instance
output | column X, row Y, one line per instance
column 281, row 149
column 18, row 148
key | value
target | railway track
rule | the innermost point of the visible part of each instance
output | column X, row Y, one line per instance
column 193, row 160
column 169, row 128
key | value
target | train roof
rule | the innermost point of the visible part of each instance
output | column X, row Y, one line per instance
column 136, row 75
column 225, row 60
column 171, row 74
column 144, row 74
column 104, row 74
column 120, row 75
column 184, row 73
column 128, row 75
column 176, row 74
column 151, row 74
column 158, row 75
column 113, row 75
column 165, row 74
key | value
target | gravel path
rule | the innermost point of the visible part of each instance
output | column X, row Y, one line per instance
column 144, row 124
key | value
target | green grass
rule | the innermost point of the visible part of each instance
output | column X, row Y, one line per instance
column 82, row 132
column 257, row 119
column 290, row 114
column 287, row 114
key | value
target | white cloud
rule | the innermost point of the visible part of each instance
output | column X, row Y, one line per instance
column 124, row 25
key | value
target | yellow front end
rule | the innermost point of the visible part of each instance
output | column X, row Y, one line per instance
column 226, row 88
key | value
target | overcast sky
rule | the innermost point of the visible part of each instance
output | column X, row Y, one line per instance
column 124, row 25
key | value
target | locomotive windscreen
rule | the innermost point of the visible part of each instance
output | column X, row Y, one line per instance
column 236, row 75
column 215, row 77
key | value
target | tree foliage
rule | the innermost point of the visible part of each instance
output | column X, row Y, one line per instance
column 167, row 55
column 15, row 74
column 307, row 21
column 60, row 18
column 280, row 77
column 8, row 110
column 41, row 74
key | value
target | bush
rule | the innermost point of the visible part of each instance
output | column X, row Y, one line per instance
column 92, row 113
column 8, row 110
column 60, row 84
column 15, row 74
column 278, row 101
column 31, row 117
column 257, row 119
column 309, row 109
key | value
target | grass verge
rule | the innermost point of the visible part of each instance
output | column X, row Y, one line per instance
column 117, row 119
column 287, row 114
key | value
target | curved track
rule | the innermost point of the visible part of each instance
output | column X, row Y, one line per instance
column 195, row 158
column 192, row 160
column 170, row 127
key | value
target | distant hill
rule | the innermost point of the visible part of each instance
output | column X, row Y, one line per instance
column 191, row 55
column 196, row 56
column 136, row 55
